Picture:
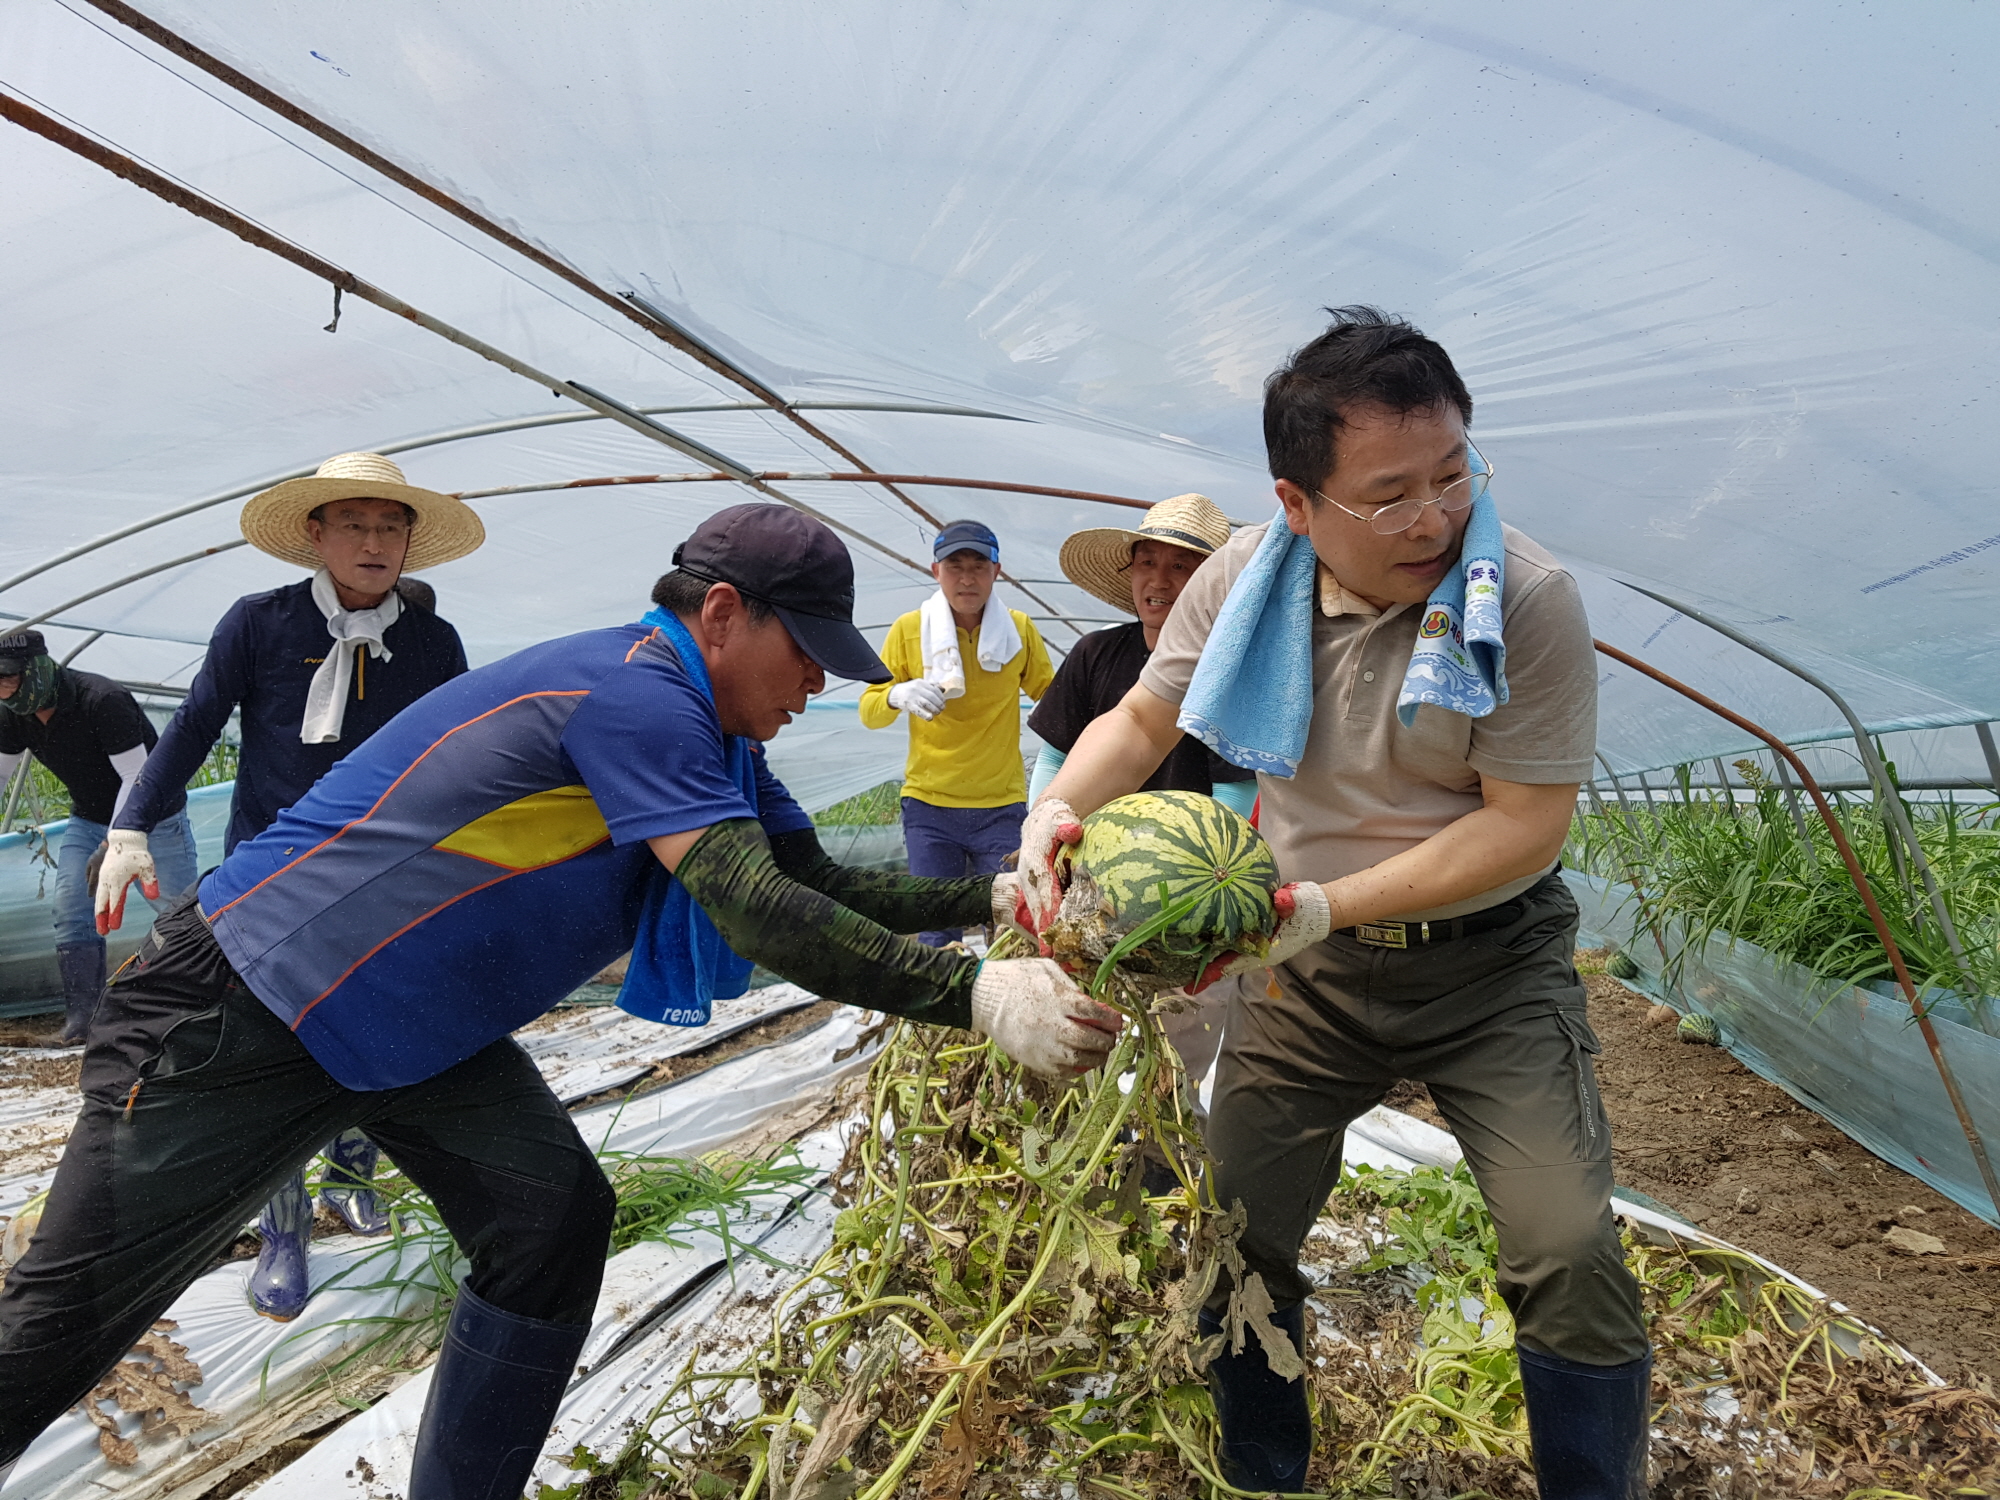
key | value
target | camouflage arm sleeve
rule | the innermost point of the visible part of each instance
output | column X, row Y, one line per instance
column 901, row 903
column 814, row 941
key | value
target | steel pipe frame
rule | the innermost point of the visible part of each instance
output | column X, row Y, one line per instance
column 1886, row 796
column 629, row 305
column 345, row 281
column 118, row 583
column 1985, row 733
column 808, row 476
column 575, row 484
column 1861, row 886
column 462, row 434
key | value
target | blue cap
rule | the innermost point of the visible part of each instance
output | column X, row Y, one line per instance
column 967, row 536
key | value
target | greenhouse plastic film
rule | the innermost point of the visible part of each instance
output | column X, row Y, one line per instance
column 1852, row 1056
column 1728, row 334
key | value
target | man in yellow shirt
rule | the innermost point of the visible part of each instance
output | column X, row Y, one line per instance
column 959, row 667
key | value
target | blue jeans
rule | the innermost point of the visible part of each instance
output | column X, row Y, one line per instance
column 172, row 844
column 953, row 842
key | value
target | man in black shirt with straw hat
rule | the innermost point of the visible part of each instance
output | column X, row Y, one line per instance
column 315, row 668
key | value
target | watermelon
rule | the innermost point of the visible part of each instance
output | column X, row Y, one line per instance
column 1152, row 854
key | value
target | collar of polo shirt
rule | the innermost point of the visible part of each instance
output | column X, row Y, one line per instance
column 1335, row 600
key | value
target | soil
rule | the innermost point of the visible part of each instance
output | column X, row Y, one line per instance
column 1696, row 1130
column 32, row 1031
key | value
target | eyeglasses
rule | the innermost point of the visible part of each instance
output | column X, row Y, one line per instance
column 357, row 531
column 1456, row 498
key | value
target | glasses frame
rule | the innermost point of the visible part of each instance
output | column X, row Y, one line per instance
column 1369, row 520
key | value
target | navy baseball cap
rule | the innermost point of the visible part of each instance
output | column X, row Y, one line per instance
column 796, row 565
column 967, row 536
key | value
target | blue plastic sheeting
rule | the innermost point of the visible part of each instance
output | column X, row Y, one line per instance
column 1850, row 1055
column 28, row 974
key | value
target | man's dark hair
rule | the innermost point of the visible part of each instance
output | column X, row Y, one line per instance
column 681, row 593
column 1365, row 358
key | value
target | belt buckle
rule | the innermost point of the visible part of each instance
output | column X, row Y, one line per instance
column 1383, row 934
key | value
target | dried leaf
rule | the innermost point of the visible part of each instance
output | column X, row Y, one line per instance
column 846, row 1419
column 974, row 1435
column 1250, row 1307
column 146, row 1382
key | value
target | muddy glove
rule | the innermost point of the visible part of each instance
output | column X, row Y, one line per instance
column 1051, row 826
column 1036, row 1015
column 1008, row 908
column 126, row 859
column 1304, row 918
column 923, row 698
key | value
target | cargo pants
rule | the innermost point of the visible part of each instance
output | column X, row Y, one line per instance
column 198, row 1102
column 1494, row 1024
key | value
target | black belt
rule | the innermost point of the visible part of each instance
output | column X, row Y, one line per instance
column 1438, row 929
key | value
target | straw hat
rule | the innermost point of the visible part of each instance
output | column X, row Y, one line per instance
column 275, row 521
column 1099, row 561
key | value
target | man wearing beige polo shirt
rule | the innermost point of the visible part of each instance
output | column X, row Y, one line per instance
column 1426, row 934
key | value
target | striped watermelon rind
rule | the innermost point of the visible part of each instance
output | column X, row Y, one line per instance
column 1144, row 854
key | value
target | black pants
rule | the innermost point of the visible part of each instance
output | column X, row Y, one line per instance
column 1494, row 1024
column 199, row 1102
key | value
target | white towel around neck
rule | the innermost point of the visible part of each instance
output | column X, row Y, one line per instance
column 326, row 699
column 937, row 638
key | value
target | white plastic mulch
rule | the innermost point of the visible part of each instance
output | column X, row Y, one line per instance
column 248, row 1362
column 660, row 1306
column 580, row 1052
column 717, row 1313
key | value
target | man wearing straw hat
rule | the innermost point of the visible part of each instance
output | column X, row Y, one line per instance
column 364, row 961
column 315, row 668
column 1141, row 571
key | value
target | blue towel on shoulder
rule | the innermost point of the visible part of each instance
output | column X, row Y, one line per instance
column 1460, row 661
column 680, row 964
column 1251, row 697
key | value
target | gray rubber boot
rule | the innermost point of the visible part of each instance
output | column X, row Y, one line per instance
column 82, row 966
column 350, row 1168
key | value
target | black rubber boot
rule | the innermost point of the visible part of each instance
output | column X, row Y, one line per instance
column 82, row 967
column 1589, row 1425
column 1266, row 1422
column 494, row 1393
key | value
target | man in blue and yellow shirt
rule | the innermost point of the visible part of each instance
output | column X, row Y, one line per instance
column 361, row 962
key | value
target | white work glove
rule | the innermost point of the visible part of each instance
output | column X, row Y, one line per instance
column 1008, row 909
column 1036, row 1015
column 922, row 697
column 1304, row 918
column 126, row 859
column 1051, row 825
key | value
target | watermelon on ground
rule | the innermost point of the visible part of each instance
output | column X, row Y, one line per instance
column 1150, row 853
